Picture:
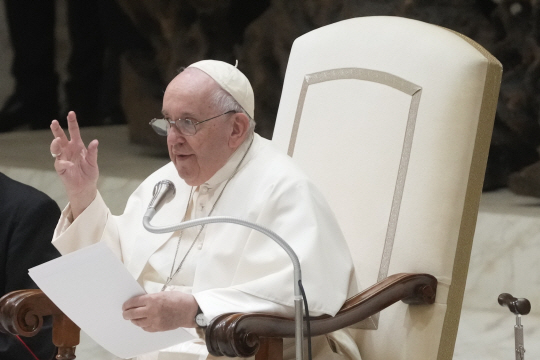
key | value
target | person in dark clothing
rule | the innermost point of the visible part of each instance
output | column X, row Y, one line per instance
column 100, row 33
column 31, row 32
column 28, row 221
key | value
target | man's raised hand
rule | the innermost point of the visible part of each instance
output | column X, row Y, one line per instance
column 75, row 164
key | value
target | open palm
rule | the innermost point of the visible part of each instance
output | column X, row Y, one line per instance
column 75, row 164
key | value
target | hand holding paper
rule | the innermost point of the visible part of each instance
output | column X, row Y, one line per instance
column 90, row 286
column 161, row 311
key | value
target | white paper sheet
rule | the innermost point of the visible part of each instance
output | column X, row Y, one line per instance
column 89, row 286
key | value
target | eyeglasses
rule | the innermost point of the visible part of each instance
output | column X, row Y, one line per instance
column 186, row 126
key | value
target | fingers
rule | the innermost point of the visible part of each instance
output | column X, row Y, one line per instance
column 57, row 131
column 73, row 126
column 61, row 166
column 149, row 329
column 135, row 314
column 92, row 153
column 143, row 323
column 134, row 302
column 135, row 311
column 138, row 317
column 56, row 146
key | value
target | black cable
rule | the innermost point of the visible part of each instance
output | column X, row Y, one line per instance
column 308, row 327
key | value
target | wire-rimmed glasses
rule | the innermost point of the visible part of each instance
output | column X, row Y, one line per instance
column 186, row 126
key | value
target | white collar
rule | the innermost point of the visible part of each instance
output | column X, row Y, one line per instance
column 227, row 170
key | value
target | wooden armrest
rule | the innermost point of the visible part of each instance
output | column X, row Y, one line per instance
column 22, row 312
column 240, row 334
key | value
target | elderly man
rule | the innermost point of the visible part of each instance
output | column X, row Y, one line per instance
column 219, row 167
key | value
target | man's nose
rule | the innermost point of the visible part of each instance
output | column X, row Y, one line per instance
column 174, row 135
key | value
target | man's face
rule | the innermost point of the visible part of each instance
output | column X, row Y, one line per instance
column 196, row 157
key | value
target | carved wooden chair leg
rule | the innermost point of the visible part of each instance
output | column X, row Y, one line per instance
column 66, row 336
column 270, row 348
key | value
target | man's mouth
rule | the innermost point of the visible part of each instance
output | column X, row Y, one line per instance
column 183, row 156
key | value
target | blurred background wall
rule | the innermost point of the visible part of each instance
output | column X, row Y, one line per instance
column 113, row 60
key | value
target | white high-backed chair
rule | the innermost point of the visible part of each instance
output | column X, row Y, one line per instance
column 392, row 118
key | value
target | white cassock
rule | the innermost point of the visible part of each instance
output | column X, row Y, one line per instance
column 231, row 268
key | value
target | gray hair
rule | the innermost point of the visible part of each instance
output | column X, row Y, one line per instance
column 224, row 101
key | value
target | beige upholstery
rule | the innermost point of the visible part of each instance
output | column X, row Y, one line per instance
column 392, row 118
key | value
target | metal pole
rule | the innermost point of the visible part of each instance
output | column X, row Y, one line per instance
column 518, row 332
column 299, row 329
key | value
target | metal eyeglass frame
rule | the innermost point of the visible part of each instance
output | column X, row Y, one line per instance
column 185, row 121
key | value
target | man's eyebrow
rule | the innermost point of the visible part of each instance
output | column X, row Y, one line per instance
column 183, row 116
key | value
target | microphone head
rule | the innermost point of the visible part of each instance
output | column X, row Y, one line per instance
column 163, row 190
column 164, row 185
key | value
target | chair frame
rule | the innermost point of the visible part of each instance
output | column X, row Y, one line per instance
column 232, row 335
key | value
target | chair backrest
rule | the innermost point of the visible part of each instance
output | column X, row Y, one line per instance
column 392, row 118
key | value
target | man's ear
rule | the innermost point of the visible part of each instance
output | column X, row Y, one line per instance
column 239, row 130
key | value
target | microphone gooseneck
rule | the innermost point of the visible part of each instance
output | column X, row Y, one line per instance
column 159, row 194
column 224, row 219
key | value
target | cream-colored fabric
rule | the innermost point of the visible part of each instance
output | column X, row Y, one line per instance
column 391, row 118
column 238, row 269
column 336, row 346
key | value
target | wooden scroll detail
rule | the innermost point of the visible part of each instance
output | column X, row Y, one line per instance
column 270, row 348
column 22, row 312
column 241, row 335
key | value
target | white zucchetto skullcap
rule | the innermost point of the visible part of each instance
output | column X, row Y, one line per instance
column 231, row 80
